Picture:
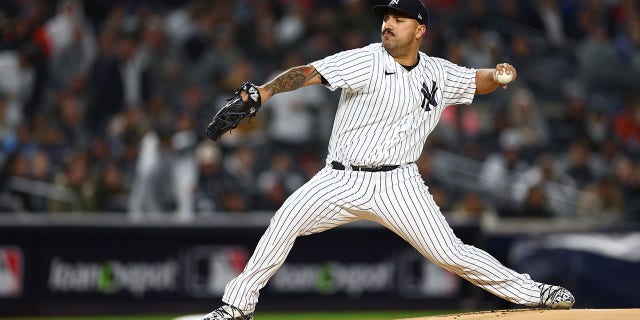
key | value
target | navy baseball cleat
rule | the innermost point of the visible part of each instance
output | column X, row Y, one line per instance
column 555, row 297
column 228, row 312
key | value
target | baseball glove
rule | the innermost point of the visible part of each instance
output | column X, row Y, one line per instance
column 235, row 111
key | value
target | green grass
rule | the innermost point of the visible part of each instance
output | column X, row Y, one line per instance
column 369, row 315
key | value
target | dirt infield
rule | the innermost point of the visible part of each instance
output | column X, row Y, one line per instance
column 543, row 314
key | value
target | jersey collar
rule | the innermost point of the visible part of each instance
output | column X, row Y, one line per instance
column 391, row 66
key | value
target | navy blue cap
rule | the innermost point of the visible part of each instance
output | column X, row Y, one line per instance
column 412, row 8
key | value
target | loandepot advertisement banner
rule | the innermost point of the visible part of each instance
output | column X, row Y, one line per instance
column 334, row 277
column 136, row 272
column 113, row 276
column 404, row 273
column 73, row 270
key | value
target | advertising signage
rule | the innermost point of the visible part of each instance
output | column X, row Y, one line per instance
column 11, row 271
column 143, row 267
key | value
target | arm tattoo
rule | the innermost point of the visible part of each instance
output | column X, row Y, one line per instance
column 291, row 79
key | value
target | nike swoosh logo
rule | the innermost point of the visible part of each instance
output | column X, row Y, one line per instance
column 386, row 73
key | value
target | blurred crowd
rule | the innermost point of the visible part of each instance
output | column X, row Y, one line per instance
column 103, row 104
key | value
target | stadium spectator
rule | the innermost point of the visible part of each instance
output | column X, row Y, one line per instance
column 17, row 81
column 536, row 204
column 500, row 170
column 112, row 194
column 165, row 72
column 277, row 182
column 602, row 201
column 71, row 124
column 626, row 125
column 472, row 208
column 73, row 44
column 209, row 190
column 551, row 16
column 78, row 187
column 241, row 189
column 544, row 174
column 152, row 190
column 119, row 79
column 627, row 175
column 526, row 121
column 576, row 166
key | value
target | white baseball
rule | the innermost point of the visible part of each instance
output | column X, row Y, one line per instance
column 504, row 78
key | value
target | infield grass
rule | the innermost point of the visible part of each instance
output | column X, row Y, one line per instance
column 369, row 315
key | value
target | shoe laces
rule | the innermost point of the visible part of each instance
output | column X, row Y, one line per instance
column 549, row 293
column 228, row 312
column 545, row 294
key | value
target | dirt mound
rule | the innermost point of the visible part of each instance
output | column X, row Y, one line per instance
column 543, row 314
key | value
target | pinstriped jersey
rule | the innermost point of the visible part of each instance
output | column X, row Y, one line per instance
column 385, row 112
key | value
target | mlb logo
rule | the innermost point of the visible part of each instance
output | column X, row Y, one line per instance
column 209, row 268
column 11, row 266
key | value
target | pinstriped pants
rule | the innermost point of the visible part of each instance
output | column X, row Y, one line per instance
column 396, row 199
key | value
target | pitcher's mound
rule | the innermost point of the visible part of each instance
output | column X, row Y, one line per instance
column 543, row 314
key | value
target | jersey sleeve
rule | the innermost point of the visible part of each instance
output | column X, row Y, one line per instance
column 460, row 83
column 346, row 70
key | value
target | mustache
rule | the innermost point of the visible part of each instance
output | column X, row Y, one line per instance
column 387, row 31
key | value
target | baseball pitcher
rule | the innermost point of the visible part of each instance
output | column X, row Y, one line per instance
column 392, row 97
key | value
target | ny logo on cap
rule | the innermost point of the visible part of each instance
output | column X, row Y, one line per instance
column 393, row 2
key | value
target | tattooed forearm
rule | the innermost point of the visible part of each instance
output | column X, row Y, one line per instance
column 289, row 80
column 293, row 79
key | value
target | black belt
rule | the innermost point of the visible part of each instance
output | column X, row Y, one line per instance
column 339, row 166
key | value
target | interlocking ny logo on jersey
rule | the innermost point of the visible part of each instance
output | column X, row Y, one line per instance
column 429, row 97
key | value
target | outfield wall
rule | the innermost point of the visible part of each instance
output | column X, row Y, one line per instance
column 108, row 264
